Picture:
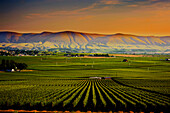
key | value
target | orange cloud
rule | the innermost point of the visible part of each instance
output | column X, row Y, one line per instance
column 153, row 0
column 77, row 11
column 31, row 16
column 28, row 17
column 141, row 17
column 35, row 14
column 158, row 5
column 62, row 13
column 133, row 5
column 110, row 2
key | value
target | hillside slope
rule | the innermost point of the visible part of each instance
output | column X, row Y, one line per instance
column 78, row 40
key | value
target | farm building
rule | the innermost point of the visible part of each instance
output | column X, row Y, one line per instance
column 10, row 70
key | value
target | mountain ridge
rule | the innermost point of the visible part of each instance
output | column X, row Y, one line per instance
column 67, row 31
column 81, row 40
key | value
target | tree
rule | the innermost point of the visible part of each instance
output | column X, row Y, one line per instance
column 24, row 66
column 3, row 64
column 21, row 66
column 7, row 64
column 12, row 64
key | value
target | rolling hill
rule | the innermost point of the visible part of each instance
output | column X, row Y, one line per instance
column 84, row 41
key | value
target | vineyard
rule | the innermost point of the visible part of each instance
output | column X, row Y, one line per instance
column 78, row 94
column 68, row 84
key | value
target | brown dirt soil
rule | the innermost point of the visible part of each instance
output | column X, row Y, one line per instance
column 131, row 55
column 95, row 57
column 26, row 70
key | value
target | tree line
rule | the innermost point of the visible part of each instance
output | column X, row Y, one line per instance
column 11, row 64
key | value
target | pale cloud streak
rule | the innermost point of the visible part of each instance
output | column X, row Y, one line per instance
column 63, row 13
column 81, row 11
column 105, row 5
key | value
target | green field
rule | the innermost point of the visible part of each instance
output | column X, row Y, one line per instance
column 63, row 83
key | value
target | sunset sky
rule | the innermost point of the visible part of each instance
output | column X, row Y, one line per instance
column 141, row 17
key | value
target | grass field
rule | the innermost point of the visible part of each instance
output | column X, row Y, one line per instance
column 62, row 83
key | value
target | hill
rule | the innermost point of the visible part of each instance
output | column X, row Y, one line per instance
column 85, row 41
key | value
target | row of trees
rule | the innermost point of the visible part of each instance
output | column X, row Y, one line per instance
column 101, row 55
column 82, row 55
column 74, row 55
column 10, row 64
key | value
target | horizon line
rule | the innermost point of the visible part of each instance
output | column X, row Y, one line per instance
column 60, row 31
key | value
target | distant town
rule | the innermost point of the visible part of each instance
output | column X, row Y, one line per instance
column 64, row 52
column 45, row 53
column 24, row 53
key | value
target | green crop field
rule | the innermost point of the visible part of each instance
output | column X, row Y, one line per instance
column 63, row 84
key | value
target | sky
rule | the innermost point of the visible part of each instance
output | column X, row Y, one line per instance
column 140, row 17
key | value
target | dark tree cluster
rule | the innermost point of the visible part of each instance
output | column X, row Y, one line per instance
column 10, row 64
column 26, row 52
column 74, row 55
column 4, row 53
column 17, row 52
column 101, row 55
